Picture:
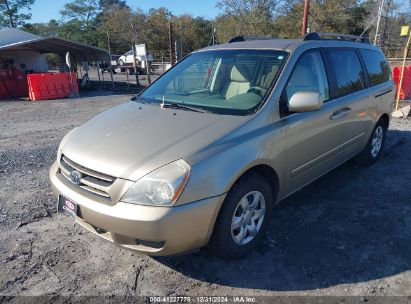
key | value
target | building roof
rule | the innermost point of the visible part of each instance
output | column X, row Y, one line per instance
column 17, row 40
column 12, row 36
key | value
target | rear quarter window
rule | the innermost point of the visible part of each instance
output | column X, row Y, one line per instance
column 349, row 75
column 376, row 65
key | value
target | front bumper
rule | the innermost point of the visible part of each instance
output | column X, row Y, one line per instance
column 148, row 229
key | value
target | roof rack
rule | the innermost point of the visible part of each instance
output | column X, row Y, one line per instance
column 248, row 38
column 334, row 36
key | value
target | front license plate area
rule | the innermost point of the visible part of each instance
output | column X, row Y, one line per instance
column 67, row 206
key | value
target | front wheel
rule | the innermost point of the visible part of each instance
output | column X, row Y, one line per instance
column 243, row 218
column 375, row 145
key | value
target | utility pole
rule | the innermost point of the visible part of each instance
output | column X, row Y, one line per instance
column 213, row 37
column 378, row 22
column 386, row 24
column 135, row 66
column 170, row 42
column 305, row 18
column 108, row 43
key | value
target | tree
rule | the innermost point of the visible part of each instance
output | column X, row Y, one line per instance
column 124, row 27
column 109, row 4
column 288, row 23
column 81, row 10
column 192, row 33
column 338, row 16
column 244, row 7
column 10, row 12
column 246, row 17
column 50, row 29
column 81, row 21
column 156, row 32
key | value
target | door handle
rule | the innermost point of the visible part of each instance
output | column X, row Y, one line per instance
column 340, row 114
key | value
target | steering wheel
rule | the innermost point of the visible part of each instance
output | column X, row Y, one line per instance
column 257, row 90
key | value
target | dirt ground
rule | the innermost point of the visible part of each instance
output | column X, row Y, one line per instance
column 347, row 234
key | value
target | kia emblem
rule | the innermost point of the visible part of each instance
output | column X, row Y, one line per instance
column 75, row 177
column 69, row 205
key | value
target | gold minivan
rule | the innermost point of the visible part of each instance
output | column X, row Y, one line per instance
column 200, row 157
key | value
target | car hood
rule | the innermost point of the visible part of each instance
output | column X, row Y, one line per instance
column 132, row 139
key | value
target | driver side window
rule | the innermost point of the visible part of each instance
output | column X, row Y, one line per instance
column 308, row 76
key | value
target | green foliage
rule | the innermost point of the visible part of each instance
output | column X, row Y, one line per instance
column 108, row 4
column 51, row 29
column 263, row 8
column 192, row 33
column 11, row 14
column 156, row 28
column 245, row 17
column 289, row 23
column 338, row 16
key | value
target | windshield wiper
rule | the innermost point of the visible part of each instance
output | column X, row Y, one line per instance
column 180, row 106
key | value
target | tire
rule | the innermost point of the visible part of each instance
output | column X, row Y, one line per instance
column 227, row 240
column 375, row 145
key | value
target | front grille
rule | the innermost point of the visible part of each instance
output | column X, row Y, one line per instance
column 91, row 181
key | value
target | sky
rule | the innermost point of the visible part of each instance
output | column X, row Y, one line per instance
column 44, row 10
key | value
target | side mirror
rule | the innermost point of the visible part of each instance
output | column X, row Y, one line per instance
column 305, row 101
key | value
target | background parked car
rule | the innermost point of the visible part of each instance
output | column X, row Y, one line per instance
column 127, row 60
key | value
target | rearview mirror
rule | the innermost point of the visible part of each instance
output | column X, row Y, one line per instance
column 305, row 101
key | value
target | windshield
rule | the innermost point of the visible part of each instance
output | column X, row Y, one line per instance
column 231, row 82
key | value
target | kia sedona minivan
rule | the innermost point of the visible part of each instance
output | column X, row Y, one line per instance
column 200, row 157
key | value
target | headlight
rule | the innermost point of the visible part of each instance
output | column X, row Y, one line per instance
column 161, row 187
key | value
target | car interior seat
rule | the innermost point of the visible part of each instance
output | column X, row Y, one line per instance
column 239, row 81
column 268, row 79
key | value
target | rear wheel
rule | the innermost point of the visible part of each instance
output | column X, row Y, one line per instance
column 243, row 218
column 375, row 145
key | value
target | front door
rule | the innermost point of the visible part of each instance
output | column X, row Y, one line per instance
column 314, row 139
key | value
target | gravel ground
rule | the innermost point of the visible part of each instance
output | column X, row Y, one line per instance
column 347, row 234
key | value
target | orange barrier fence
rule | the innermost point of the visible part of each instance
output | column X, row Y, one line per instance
column 405, row 91
column 13, row 84
column 51, row 85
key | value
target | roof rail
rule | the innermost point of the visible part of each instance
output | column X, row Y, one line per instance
column 248, row 38
column 334, row 36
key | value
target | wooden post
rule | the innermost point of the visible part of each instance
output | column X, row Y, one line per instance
column 128, row 81
column 407, row 46
column 135, row 64
column 98, row 72
column 170, row 42
column 305, row 18
column 148, row 71
column 111, row 73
